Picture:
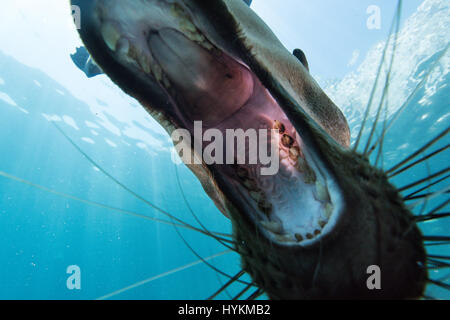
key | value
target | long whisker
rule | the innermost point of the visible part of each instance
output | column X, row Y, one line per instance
column 380, row 149
column 411, row 96
column 220, row 240
column 418, row 152
column 162, row 275
column 115, row 180
column 436, row 238
column 440, row 284
column 226, row 285
column 426, row 187
column 240, row 294
column 429, row 197
column 430, row 217
column 437, row 264
column 438, row 257
column 97, row 204
column 439, row 207
column 444, row 243
column 207, row 263
column 375, row 86
column 430, row 177
column 256, row 294
column 386, row 84
column 419, row 161
column 425, row 297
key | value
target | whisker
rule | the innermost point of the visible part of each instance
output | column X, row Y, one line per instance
column 438, row 267
column 419, row 161
column 431, row 196
column 439, row 207
column 240, row 294
column 381, row 139
column 430, row 177
column 412, row 95
column 386, row 84
column 162, row 275
column 438, row 257
column 426, row 187
column 96, row 204
column 430, row 217
column 436, row 238
column 438, row 264
column 226, row 285
column 427, row 195
column 206, row 263
column 418, row 152
column 375, row 86
column 440, row 284
column 445, row 278
column 220, row 240
column 134, row 194
column 445, row 243
column 256, row 294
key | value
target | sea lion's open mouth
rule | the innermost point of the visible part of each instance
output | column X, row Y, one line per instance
column 294, row 205
column 311, row 228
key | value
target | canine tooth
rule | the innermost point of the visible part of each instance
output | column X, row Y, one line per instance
column 123, row 46
column 187, row 26
column 207, row 46
column 301, row 165
column 157, row 72
column 309, row 236
column 272, row 226
column 287, row 140
column 309, row 175
column 283, row 238
column 110, row 35
column 316, row 232
column 166, row 82
column 294, row 153
column 299, row 237
column 277, row 125
column 321, row 193
column 322, row 223
column 328, row 210
column 144, row 62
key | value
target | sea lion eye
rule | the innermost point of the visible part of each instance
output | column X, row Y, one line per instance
column 300, row 55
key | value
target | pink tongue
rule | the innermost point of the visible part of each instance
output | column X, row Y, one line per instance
column 214, row 86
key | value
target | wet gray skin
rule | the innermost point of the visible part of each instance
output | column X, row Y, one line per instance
column 311, row 230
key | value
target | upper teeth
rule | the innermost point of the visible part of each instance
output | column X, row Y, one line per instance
column 110, row 35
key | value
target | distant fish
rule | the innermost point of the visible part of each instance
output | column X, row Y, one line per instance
column 85, row 63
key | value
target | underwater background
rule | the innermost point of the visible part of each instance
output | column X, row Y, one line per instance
column 83, row 166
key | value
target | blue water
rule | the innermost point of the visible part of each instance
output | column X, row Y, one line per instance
column 43, row 231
